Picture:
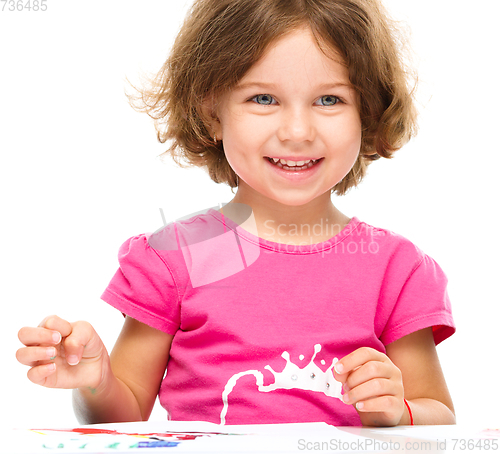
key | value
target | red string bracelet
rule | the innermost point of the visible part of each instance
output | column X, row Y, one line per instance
column 409, row 411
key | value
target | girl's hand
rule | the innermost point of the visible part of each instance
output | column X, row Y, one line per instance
column 374, row 385
column 63, row 355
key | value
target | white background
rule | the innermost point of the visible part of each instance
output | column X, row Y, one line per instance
column 80, row 174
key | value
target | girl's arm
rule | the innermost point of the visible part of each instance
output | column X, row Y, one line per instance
column 377, row 384
column 423, row 380
column 129, row 389
column 117, row 388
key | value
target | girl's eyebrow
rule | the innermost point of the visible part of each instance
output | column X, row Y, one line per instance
column 335, row 85
column 255, row 85
column 265, row 85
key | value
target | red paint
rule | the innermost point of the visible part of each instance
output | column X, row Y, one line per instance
column 96, row 431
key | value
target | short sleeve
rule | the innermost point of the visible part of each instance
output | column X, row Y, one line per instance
column 144, row 286
column 422, row 302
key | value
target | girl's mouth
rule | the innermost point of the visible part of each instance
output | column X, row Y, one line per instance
column 293, row 165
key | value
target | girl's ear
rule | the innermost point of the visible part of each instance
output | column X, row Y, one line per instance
column 210, row 117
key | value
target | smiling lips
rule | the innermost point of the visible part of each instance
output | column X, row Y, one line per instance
column 293, row 165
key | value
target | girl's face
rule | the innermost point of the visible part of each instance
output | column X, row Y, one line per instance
column 297, row 106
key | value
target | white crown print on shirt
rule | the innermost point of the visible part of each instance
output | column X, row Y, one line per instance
column 308, row 378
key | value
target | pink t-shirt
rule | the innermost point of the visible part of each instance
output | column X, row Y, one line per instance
column 258, row 325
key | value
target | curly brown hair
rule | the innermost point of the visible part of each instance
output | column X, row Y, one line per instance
column 219, row 42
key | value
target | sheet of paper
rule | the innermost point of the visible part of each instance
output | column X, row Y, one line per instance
column 203, row 437
column 173, row 436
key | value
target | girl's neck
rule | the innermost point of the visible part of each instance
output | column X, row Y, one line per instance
column 313, row 223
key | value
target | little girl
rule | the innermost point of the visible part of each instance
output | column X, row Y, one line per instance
column 276, row 307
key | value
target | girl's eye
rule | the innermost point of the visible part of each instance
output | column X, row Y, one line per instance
column 265, row 100
column 328, row 100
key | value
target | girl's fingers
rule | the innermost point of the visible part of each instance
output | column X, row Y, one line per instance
column 378, row 387
column 31, row 356
column 39, row 336
column 387, row 404
column 39, row 374
column 75, row 339
column 356, row 359
column 55, row 323
column 83, row 338
column 369, row 371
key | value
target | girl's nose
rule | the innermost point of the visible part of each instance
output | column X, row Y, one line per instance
column 296, row 125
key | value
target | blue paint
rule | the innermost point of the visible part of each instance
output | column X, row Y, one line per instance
column 157, row 444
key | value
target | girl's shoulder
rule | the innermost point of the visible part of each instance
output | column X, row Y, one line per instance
column 189, row 230
column 380, row 233
column 388, row 242
column 165, row 244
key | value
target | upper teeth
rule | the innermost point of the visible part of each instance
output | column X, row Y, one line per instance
column 292, row 163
